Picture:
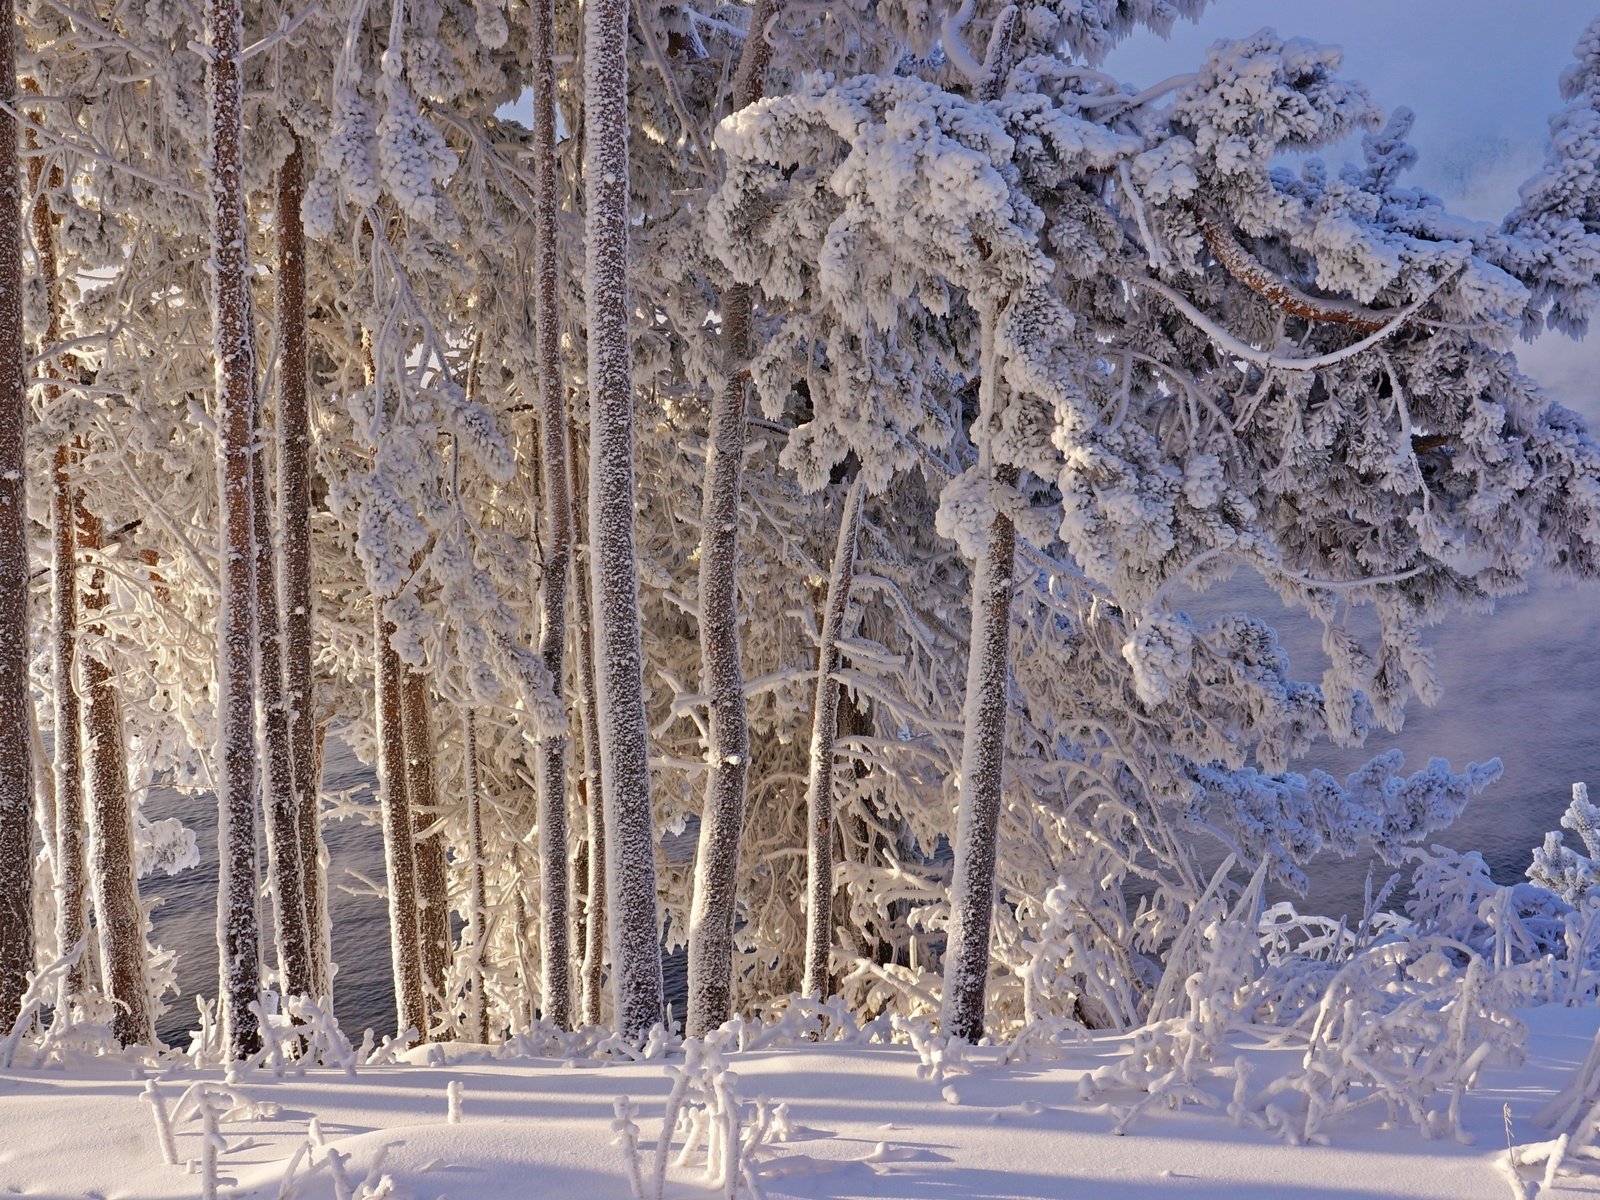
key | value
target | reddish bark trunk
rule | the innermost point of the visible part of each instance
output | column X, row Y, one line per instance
column 433, row 894
column 119, row 918
column 238, row 932
column 16, row 759
column 294, row 527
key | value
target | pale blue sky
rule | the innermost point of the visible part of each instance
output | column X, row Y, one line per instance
column 1479, row 74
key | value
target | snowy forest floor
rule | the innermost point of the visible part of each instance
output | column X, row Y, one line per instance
column 864, row 1124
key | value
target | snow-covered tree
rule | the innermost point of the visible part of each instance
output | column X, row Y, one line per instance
column 1328, row 447
column 238, row 934
column 16, row 755
column 619, row 662
column 1567, row 872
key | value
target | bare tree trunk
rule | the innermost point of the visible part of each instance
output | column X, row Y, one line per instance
column 294, row 526
column 238, row 932
column 594, row 939
column 477, row 894
column 716, row 880
column 824, row 731
column 433, row 893
column 550, row 763
column 72, row 900
column 285, row 871
column 632, row 904
column 67, row 836
column 119, row 918
column 16, row 761
column 966, row 971
column 399, row 837
column 399, row 846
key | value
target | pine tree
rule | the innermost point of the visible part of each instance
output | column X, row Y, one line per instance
column 550, row 765
column 592, row 968
column 285, row 871
column 67, row 842
column 399, row 834
column 16, row 756
column 716, row 884
column 433, row 899
column 635, row 933
column 477, row 912
column 820, row 815
column 294, row 526
column 113, row 875
column 238, row 933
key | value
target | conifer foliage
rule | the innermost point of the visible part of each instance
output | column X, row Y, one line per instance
column 780, row 466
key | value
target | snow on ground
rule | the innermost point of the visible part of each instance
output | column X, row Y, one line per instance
column 864, row 1124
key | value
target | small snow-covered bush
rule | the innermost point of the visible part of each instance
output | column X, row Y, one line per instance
column 1561, row 869
column 705, row 1110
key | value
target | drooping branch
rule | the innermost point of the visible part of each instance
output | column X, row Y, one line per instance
column 1230, row 343
column 1248, row 270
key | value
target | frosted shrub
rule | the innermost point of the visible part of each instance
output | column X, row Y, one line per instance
column 705, row 1110
column 1398, row 1025
column 1196, row 1003
column 1561, row 869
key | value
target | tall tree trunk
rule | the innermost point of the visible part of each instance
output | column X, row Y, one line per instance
column 119, row 918
column 285, row 871
column 238, row 932
column 433, row 893
column 594, row 939
column 635, row 926
column 824, row 731
column 399, row 838
column 67, row 839
column 716, row 879
column 550, row 763
column 966, row 966
column 294, row 526
column 69, row 842
column 16, row 761
column 477, row 893
column 966, row 969
column 72, row 899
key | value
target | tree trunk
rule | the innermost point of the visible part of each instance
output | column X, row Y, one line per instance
column 72, row 912
column 716, row 879
column 477, row 894
column 399, row 846
column 433, row 893
column 594, row 939
column 16, row 761
column 119, row 918
column 67, row 838
column 824, row 731
column 550, row 762
column 966, row 970
column 294, row 526
column 635, row 926
column 238, row 932
column 285, row 871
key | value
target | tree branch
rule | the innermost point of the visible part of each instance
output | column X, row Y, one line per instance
column 1248, row 270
